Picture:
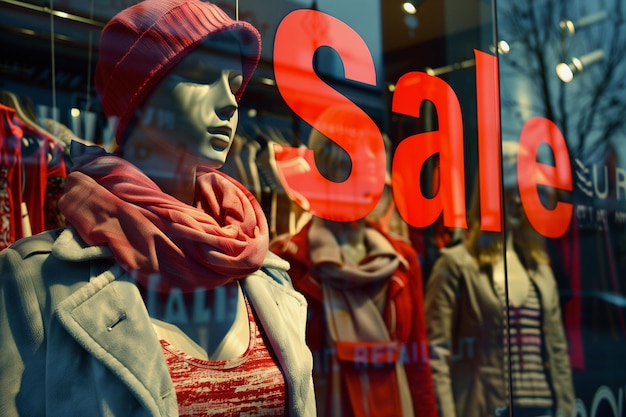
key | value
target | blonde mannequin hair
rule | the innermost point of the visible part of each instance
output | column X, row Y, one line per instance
column 488, row 247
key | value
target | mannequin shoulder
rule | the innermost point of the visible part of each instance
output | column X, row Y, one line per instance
column 30, row 263
column 272, row 282
column 25, row 257
column 455, row 261
column 23, row 287
column 37, row 244
column 456, row 254
column 275, row 268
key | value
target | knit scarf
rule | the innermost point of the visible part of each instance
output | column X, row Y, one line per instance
column 354, row 296
column 222, row 237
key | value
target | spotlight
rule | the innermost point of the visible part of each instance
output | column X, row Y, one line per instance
column 569, row 27
column 502, row 47
column 567, row 71
column 409, row 7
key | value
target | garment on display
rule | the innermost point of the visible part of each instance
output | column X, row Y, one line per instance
column 366, row 325
column 161, row 281
column 388, row 209
column 33, row 173
column 494, row 318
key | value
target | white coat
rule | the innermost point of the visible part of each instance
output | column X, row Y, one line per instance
column 76, row 338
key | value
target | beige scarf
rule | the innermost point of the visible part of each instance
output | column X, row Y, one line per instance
column 354, row 299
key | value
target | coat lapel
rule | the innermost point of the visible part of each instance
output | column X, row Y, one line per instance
column 282, row 315
column 108, row 318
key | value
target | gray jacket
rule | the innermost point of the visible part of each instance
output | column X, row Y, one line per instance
column 465, row 324
column 76, row 338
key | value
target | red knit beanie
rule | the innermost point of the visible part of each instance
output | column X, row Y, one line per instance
column 142, row 43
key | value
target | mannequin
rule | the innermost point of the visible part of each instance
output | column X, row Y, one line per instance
column 365, row 323
column 160, row 297
column 201, row 80
column 492, row 304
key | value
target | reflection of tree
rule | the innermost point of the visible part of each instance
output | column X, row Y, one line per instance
column 591, row 110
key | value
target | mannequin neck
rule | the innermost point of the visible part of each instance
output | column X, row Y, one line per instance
column 350, row 237
column 211, row 324
column 155, row 160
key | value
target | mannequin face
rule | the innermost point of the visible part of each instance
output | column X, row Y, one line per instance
column 190, row 118
column 197, row 105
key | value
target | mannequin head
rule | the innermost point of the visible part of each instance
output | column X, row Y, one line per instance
column 345, row 153
column 191, row 116
column 172, row 73
column 194, row 108
column 489, row 247
column 335, row 164
column 141, row 44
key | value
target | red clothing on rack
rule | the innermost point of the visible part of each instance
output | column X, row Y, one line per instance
column 10, row 177
column 32, row 171
column 42, row 167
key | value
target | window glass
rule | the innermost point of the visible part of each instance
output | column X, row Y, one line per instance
column 560, row 76
column 445, row 178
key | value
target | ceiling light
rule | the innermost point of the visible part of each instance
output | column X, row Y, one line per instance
column 409, row 7
column 503, row 47
column 569, row 27
column 567, row 71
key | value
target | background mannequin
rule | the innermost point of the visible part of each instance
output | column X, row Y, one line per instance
column 162, row 285
column 365, row 323
column 466, row 313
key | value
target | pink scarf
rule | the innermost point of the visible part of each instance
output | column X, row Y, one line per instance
column 221, row 238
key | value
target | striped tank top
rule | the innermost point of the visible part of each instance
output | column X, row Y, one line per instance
column 524, row 342
column 250, row 385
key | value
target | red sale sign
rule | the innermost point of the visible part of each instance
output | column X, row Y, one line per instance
column 311, row 98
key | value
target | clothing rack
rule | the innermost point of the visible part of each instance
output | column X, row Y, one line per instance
column 32, row 173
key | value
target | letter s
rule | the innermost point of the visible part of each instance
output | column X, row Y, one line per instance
column 298, row 37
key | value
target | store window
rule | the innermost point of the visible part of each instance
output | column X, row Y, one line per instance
column 563, row 65
column 444, row 179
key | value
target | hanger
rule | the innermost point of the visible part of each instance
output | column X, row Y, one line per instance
column 11, row 100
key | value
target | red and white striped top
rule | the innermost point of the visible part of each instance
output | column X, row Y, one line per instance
column 250, row 385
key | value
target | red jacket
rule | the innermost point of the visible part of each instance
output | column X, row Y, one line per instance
column 404, row 306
